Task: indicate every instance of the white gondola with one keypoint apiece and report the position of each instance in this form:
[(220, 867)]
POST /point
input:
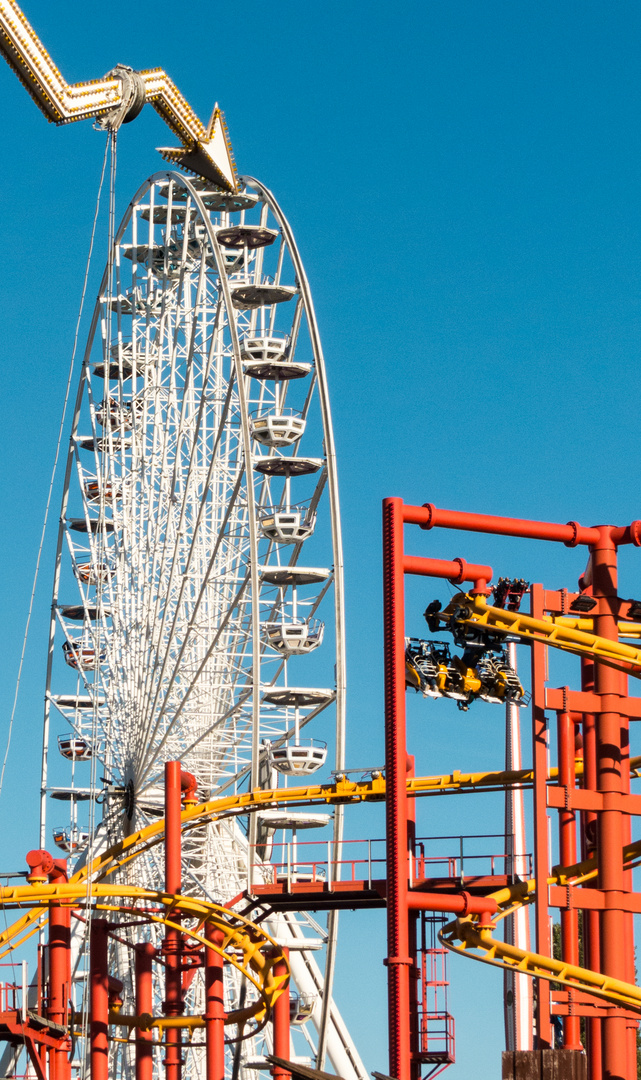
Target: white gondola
[(108, 444), (294, 638), (214, 200), (267, 357), (95, 491), (250, 296), (290, 525), (80, 656), (91, 574), (70, 839), (278, 429), (283, 818), (146, 352), (297, 697), (92, 525), (246, 236), (75, 748), (80, 612), (299, 759), (119, 414), (301, 1007), (267, 348)]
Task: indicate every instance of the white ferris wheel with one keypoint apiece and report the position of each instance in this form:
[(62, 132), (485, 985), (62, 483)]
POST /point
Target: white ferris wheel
[(198, 596)]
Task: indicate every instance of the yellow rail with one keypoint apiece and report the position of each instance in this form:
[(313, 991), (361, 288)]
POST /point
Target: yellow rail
[(475, 611), (253, 951), (490, 950), (85, 885), (626, 629)]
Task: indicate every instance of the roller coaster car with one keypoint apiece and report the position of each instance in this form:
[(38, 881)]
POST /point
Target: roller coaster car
[(500, 683), (426, 666), (430, 669), (509, 592)]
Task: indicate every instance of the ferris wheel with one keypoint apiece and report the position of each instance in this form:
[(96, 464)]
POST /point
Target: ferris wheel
[(198, 596)]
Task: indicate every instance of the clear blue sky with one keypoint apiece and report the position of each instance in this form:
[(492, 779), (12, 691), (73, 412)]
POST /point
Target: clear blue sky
[(463, 180)]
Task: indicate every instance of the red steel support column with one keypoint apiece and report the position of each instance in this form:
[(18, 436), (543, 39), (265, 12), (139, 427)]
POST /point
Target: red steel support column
[(145, 953), (541, 855), (412, 926), (591, 926), (567, 851), (280, 1022), (173, 1003), (99, 1000), (609, 724), (59, 978), (215, 1006), (398, 959)]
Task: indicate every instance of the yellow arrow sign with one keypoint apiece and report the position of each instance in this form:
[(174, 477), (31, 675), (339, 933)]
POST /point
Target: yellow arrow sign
[(117, 98)]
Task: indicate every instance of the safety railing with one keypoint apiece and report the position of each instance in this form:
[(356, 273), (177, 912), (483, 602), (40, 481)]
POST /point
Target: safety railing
[(456, 857), (14, 995), (436, 1038)]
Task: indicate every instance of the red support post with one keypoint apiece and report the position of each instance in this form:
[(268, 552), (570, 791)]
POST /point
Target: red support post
[(567, 851), (172, 945), (214, 1005), (99, 999), (610, 726), (145, 953), (413, 918), (280, 1021), (59, 978), (398, 959), (591, 928), (541, 853)]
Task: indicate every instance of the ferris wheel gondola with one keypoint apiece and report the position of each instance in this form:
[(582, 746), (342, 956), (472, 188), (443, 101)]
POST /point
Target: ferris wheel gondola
[(200, 545)]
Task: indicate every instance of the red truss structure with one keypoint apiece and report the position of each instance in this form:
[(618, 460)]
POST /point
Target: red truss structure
[(588, 791)]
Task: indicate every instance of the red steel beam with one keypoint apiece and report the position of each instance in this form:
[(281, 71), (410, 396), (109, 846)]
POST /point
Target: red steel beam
[(567, 851), (145, 953), (215, 1006), (398, 960), (455, 570), (280, 1021), (99, 1000), (429, 516), (173, 1003)]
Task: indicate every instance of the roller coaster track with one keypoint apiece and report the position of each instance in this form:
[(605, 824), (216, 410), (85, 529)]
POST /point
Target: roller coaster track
[(489, 950), (473, 610), (257, 965), (258, 950)]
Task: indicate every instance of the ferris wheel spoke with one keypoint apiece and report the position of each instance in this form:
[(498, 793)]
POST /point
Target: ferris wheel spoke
[(174, 558), (195, 680), (203, 588)]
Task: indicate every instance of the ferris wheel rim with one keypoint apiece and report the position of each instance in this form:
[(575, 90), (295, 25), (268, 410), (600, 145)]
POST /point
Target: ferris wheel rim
[(338, 694)]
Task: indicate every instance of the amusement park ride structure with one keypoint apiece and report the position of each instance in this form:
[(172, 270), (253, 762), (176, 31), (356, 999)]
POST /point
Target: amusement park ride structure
[(169, 944)]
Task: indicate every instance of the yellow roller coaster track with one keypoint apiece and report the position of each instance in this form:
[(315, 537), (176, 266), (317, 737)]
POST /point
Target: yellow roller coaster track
[(489, 950), (85, 887), (470, 610), (245, 939)]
